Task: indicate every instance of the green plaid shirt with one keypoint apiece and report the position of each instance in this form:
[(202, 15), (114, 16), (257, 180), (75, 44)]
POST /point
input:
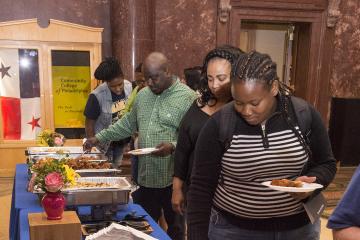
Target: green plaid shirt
[(157, 119)]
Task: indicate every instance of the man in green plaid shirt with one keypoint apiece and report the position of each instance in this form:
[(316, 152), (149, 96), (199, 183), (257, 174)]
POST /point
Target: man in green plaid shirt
[(156, 115)]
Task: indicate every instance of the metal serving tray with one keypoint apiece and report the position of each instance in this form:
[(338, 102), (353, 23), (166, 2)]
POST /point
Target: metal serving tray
[(99, 172), (34, 154), (34, 158), (56, 150), (98, 196)]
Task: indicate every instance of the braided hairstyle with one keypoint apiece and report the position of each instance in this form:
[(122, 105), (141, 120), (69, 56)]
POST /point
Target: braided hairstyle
[(257, 67), (227, 52), (108, 70)]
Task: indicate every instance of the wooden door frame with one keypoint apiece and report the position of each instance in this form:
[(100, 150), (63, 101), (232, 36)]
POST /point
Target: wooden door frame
[(315, 88)]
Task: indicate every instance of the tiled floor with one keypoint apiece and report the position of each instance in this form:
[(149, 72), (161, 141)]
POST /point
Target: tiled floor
[(325, 232)]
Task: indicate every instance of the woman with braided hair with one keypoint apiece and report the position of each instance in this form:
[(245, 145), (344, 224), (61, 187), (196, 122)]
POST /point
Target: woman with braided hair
[(214, 93), (226, 199), (105, 104)]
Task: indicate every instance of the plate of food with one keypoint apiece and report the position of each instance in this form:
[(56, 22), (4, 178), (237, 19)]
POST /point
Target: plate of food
[(286, 185), (142, 151)]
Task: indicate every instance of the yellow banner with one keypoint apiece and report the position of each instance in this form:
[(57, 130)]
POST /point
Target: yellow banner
[(71, 88)]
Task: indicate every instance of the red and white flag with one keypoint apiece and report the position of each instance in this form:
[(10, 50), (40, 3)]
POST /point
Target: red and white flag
[(20, 93)]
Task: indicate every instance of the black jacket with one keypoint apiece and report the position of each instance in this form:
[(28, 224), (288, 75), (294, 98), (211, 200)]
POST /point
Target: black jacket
[(208, 154)]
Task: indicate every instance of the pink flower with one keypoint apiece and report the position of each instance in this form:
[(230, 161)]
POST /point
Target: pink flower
[(58, 141), (54, 182)]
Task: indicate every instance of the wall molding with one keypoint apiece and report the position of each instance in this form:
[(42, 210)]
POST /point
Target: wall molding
[(57, 31)]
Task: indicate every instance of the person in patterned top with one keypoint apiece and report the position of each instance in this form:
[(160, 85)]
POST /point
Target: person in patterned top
[(156, 115), (105, 103)]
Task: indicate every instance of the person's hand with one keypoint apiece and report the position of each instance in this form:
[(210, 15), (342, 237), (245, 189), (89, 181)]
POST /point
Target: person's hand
[(163, 149), (301, 196), (89, 143), (177, 201)]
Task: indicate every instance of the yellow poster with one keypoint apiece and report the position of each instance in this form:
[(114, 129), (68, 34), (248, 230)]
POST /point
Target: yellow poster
[(71, 88)]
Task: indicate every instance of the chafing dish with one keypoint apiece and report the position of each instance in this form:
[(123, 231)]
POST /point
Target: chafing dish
[(116, 194), (35, 154), (111, 172)]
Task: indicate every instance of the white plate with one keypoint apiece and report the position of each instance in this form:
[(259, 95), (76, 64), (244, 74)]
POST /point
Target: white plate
[(307, 187), (142, 151)]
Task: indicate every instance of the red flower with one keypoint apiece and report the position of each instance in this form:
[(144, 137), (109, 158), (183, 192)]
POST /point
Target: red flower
[(54, 182)]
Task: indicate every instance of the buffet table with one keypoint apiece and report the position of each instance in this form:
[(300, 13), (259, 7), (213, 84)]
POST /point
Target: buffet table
[(24, 202)]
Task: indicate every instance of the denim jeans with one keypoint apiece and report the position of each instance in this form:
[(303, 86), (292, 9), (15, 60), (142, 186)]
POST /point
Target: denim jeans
[(115, 154), (221, 229)]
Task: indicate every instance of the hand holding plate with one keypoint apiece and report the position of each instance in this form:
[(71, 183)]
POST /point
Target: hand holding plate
[(303, 195), (163, 149)]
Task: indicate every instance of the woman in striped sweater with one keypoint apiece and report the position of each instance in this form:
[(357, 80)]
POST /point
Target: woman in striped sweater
[(226, 199)]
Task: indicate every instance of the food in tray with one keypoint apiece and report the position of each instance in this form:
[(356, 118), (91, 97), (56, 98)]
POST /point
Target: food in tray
[(286, 183), (87, 158), (62, 151), (58, 150), (74, 163), (51, 150), (99, 182), (41, 163), (91, 185), (78, 164)]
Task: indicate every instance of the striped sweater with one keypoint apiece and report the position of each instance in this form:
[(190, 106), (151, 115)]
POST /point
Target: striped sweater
[(231, 181), (247, 164)]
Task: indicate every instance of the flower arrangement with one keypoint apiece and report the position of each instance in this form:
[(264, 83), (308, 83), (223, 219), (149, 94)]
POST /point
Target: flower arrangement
[(52, 176), (53, 182), (49, 138)]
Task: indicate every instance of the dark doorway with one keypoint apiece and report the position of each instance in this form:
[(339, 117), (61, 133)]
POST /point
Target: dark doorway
[(344, 130)]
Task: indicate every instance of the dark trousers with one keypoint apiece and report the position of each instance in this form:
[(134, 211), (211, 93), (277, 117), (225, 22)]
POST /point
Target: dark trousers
[(155, 199)]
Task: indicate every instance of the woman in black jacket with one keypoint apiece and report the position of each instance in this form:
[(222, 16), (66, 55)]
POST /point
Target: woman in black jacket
[(214, 93), (226, 199)]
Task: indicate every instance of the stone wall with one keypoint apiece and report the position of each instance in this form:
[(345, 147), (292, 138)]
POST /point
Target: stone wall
[(345, 79), (185, 31)]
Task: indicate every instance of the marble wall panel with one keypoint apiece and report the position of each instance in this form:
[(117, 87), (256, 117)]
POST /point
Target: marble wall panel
[(345, 79), (133, 32), (185, 31)]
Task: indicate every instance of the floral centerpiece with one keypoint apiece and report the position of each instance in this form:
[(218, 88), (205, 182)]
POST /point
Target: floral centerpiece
[(51, 177), (45, 177), (49, 138)]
